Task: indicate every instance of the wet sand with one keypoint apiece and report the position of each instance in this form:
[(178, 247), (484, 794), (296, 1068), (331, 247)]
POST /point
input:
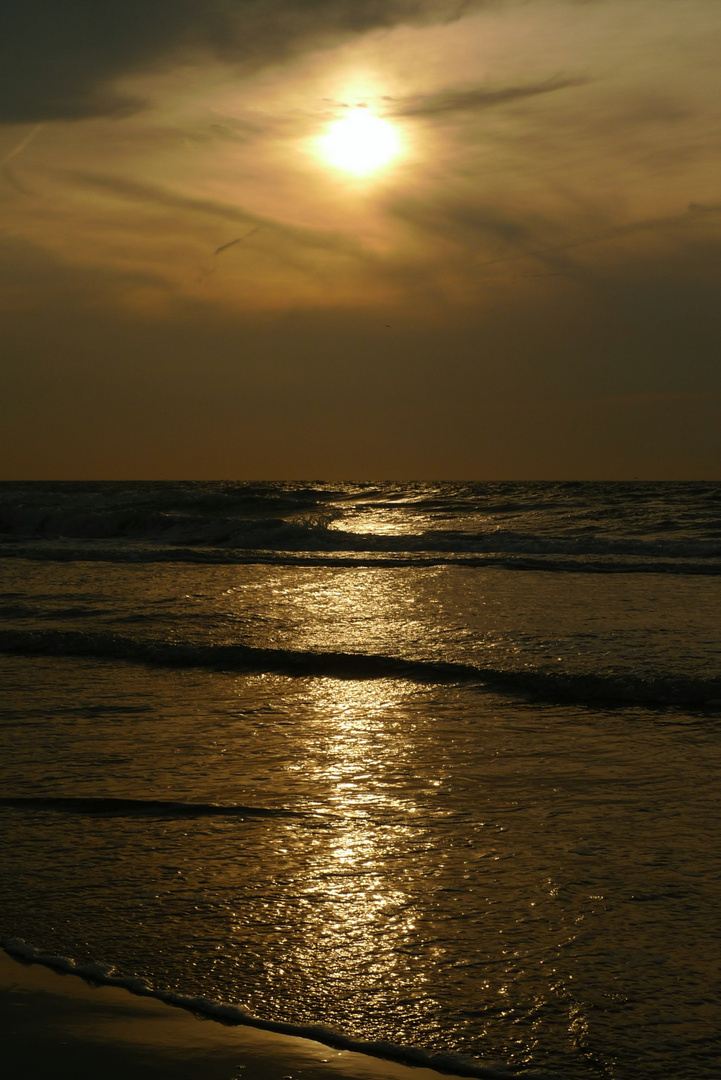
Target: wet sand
[(56, 1026)]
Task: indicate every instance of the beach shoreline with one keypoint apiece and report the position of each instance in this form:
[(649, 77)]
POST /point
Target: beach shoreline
[(60, 1025)]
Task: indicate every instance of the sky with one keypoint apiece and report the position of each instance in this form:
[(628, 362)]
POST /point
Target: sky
[(360, 239)]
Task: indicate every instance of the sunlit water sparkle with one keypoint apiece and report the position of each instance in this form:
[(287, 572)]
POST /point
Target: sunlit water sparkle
[(472, 867)]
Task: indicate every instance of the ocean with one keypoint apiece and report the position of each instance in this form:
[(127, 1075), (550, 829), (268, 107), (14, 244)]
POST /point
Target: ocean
[(425, 769)]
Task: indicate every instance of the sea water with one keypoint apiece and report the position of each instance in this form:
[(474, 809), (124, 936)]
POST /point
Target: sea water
[(430, 766)]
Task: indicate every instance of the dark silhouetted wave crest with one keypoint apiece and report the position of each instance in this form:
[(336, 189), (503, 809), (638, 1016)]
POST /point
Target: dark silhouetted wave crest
[(109, 807), (585, 687)]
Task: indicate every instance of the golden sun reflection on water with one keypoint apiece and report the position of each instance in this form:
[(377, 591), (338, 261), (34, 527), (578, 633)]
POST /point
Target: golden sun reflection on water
[(362, 742), (369, 890), (348, 908)]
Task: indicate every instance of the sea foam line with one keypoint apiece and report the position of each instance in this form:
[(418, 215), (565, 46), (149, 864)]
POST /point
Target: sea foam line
[(233, 1016)]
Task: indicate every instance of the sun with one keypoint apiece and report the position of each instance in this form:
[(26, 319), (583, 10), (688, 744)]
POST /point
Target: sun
[(360, 143)]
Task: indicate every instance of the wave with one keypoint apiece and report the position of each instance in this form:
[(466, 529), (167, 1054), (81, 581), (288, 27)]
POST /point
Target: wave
[(317, 536), (152, 524), (22, 525), (572, 563), (580, 687), (591, 527), (110, 807), (174, 497), (232, 1015)]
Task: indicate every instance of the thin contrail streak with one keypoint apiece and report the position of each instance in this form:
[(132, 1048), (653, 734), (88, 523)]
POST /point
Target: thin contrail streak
[(22, 144), (224, 247)]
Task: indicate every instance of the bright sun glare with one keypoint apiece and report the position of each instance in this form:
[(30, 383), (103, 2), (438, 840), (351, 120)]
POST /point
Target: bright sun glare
[(360, 143)]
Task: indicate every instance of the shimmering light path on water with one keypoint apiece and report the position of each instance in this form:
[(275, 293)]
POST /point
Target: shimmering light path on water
[(495, 874)]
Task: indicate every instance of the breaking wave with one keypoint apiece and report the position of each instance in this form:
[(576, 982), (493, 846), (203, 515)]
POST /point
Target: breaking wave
[(669, 528), (583, 687), (317, 535), (572, 563)]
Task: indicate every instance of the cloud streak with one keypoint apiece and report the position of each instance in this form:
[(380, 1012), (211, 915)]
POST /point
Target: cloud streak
[(19, 147), (615, 232), (188, 208), (471, 239), (477, 98)]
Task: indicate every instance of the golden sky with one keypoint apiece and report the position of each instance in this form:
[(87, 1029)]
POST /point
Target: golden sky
[(369, 239)]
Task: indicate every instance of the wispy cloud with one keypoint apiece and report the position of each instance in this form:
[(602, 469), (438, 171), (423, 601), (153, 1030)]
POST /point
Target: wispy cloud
[(189, 207), (615, 232), (522, 232), (476, 98)]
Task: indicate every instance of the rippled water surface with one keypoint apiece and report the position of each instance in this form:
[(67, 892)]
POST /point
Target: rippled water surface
[(221, 777)]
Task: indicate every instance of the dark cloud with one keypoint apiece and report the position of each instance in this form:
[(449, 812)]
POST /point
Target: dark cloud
[(477, 98), (60, 58)]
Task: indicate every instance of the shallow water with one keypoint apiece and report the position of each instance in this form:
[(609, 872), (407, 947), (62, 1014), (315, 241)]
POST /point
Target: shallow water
[(265, 782)]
